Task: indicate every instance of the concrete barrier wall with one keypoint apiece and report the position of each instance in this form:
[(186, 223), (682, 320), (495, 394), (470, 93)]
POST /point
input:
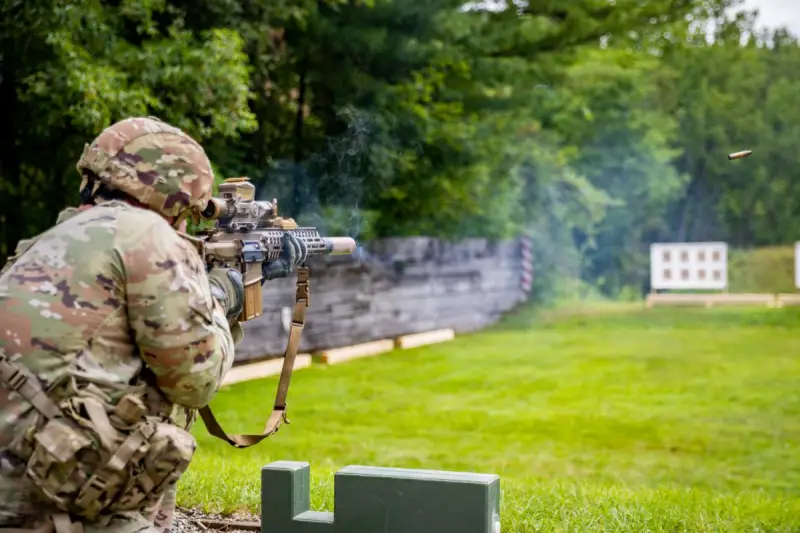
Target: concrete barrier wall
[(398, 286)]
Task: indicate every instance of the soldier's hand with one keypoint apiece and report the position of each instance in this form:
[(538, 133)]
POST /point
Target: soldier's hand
[(294, 253), (237, 333), (227, 287)]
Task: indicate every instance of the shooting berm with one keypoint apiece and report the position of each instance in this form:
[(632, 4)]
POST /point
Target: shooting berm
[(400, 267)]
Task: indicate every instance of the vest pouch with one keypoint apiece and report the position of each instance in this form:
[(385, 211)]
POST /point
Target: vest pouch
[(56, 465), (170, 451), (97, 459)]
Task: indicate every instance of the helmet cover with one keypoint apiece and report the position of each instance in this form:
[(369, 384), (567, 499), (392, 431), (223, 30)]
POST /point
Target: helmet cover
[(155, 163)]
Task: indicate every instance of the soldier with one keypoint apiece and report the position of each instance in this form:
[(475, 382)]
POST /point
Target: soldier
[(110, 327)]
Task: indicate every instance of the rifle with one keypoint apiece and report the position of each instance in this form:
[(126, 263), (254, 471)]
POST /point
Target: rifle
[(247, 233)]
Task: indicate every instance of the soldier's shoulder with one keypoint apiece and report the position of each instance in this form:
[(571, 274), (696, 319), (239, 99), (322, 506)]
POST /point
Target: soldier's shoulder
[(135, 216), (136, 225), (114, 213), (143, 233)]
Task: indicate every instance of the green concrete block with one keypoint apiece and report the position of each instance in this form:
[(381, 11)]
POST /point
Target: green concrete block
[(286, 499), (381, 500)]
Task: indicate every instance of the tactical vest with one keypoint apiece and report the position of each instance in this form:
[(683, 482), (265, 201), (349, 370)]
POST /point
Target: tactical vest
[(88, 455)]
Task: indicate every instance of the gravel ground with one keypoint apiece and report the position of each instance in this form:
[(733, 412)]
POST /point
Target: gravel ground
[(188, 521)]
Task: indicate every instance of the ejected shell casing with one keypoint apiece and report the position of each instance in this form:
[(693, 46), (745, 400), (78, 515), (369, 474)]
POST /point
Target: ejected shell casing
[(739, 155)]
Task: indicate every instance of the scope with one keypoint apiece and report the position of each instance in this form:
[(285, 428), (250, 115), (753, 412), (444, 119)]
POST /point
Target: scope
[(236, 207)]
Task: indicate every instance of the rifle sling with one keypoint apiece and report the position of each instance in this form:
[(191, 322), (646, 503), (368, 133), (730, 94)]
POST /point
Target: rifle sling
[(279, 410)]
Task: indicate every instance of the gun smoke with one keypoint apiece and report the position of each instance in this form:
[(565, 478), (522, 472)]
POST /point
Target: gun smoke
[(327, 188)]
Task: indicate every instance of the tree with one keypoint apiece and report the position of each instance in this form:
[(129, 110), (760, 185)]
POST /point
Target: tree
[(69, 69)]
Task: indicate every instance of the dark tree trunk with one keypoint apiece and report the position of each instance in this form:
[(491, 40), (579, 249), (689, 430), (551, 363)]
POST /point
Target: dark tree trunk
[(11, 219), (298, 178)]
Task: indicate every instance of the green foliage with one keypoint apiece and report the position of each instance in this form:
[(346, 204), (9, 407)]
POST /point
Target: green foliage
[(595, 127), (597, 419), (741, 92), (622, 143), (765, 270), (69, 69)]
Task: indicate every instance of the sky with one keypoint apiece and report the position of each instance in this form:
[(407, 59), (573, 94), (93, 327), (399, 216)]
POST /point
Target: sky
[(772, 13), (775, 13)]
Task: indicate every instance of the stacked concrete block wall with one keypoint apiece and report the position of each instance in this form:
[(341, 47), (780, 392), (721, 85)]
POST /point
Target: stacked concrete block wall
[(396, 287)]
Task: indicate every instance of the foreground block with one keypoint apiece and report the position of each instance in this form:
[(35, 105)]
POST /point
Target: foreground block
[(263, 369), (380, 500), (428, 337), (341, 355)]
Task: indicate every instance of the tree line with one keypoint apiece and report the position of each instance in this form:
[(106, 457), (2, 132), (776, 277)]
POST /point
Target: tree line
[(595, 127)]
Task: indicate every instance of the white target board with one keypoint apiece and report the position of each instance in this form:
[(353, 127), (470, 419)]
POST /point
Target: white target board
[(696, 265), (797, 265)]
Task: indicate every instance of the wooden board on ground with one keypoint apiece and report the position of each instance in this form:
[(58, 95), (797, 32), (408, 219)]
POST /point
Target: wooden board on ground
[(710, 300), (348, 353), (263, 369), (783, 300), (427, 337)]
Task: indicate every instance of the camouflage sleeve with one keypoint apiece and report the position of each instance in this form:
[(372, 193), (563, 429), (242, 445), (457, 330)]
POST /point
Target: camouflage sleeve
[(182, 332), (22, 246)]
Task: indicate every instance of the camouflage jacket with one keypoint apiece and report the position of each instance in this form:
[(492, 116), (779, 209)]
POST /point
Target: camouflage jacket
[(101, 296)]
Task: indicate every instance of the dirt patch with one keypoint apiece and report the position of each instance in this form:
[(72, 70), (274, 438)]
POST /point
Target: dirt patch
[(192, 521)]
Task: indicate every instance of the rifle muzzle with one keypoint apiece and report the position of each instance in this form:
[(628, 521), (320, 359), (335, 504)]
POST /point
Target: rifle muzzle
[(340, 245)]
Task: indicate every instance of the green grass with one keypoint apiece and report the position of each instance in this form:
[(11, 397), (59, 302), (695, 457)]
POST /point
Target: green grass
[(602, 419)]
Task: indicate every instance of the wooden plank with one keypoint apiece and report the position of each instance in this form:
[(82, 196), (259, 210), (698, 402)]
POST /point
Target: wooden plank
[(782, 300), (228, 525), (478, 302), (262, 369), (744, 299), (710, 300), (348, 353), (425, 338)]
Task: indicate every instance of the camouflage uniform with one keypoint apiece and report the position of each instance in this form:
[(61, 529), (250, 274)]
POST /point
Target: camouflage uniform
[(115, 297)]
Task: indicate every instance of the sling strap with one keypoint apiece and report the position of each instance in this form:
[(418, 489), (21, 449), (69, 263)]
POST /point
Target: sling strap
[(17, 379), (302, 300)]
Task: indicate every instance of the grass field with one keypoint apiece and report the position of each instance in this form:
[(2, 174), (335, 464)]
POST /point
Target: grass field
[(612, 419)]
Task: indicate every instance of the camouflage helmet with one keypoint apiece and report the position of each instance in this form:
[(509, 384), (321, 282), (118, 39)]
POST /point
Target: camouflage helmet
[(155, 163)]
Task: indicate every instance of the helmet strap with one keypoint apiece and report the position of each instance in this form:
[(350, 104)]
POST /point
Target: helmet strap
[(89, 189)]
